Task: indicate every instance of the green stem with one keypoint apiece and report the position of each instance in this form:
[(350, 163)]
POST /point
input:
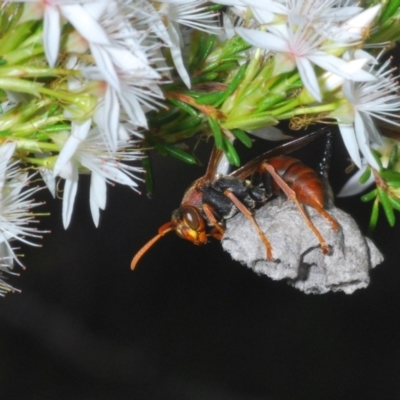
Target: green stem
[(33, 145), (34, 72), (47, 162), (280, 112), (34, 88), (36, 124)]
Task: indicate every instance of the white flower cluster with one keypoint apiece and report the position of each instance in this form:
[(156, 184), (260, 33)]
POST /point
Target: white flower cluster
[(117, 45), (15, 214), (328, 35), (123, 40), (119, 50)]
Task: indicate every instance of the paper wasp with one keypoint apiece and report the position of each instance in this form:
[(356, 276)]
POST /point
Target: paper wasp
[(213, 198)]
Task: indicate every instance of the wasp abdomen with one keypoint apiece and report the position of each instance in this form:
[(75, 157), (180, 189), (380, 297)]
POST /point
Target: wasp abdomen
[(302, 179)]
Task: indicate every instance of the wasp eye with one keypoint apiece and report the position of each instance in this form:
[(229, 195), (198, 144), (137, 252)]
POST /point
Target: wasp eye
[(190, 216)]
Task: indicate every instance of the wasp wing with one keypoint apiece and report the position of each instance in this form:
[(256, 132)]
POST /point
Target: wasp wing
[(246, 170), (387, 129), (213, 164)]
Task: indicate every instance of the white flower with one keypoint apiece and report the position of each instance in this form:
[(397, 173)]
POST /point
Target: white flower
[(367, 100), (15, 208), (356, 27), (299, 45), (85, 150), (192, 14), (133, 60), (353, 185), (75, 13)]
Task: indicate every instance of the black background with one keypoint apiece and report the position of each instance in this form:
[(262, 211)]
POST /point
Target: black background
[(189, 323)]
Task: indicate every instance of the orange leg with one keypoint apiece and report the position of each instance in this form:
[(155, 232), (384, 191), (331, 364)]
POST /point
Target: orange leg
[(291, 194), (334, 223), (243, 209), (218, 229)]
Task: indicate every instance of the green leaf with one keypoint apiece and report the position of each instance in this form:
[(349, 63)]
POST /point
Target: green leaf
[(233, 46), (365, 176), (395, 202), (393, 157), (179, 154), (374, 216), (187, 123), (216, 130), (14, 37), (219, 65), (377, 157), (226, 66), (233, 85), (214, 7), (390, 175), (387, 206), (53, 109), (206, 43), (231, 153), (211, 76), (184, 106), (369, 196), (390, 9), (209, 98), (242, 136), (393, 184), (270, 99), (250, 122), (162, 118)]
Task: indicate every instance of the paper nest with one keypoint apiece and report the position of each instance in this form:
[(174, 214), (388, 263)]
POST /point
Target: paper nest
[(298, 257)]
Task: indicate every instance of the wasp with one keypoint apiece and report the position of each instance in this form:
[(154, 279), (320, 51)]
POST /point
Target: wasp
[(214, 198)]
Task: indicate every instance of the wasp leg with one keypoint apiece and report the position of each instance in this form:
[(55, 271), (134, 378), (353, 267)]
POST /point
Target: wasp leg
[(327, 216), (242, 208), (219, 230), (215, 234), (291, 194)]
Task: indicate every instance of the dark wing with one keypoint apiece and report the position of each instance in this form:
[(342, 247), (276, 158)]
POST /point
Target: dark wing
[(246, 170), (388, 130), (215, 158)]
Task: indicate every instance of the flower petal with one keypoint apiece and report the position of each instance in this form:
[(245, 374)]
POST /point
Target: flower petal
[(353, 185), (109, 118), (309, 77), (98, 190), (350, 141), (84, 23), (338, 66), (105, 65), (263, 40), (79, 133), (176, 54), (51, 34), (6, 152), (70, 189), (359, 23), (49, 180), (363, 141)]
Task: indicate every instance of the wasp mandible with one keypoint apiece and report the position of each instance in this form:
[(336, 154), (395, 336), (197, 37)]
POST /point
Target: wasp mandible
[(214, 198)]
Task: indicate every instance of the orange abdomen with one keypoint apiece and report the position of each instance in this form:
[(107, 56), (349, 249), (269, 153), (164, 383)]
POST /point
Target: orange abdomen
[(302, 179)]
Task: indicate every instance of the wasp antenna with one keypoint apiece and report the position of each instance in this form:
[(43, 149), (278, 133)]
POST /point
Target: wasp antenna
[(168, 227)]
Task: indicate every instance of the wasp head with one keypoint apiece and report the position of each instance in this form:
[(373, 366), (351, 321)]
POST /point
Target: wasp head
[(189, 224)]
